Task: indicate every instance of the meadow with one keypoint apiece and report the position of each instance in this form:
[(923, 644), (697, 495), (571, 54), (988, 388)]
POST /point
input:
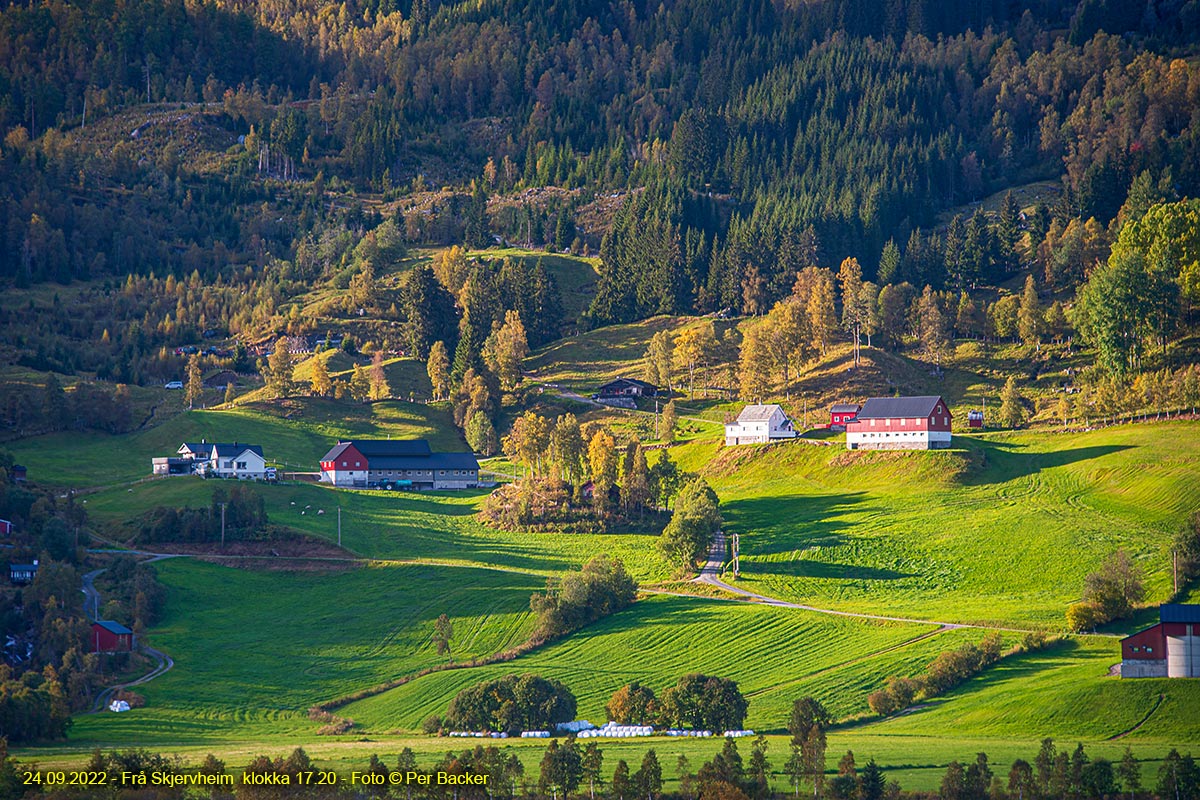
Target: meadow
[(998, 531)]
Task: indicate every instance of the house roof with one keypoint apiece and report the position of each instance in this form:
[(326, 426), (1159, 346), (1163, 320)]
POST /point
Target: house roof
[(382, 448), (844, 408), (431, 461), (759, 412), (236, 449), (22, 567), (633, 381), (893, 407), (1179, 612), (112, 627)]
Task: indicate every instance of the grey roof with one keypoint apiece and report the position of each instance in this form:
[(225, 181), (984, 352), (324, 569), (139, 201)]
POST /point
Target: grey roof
[(1179, 612), (23, 567), (112, 627), (634, 381), (758, 412), (433, 461), (204, 449), (237, 449), (843, 408), (403, 454), (382, 448), (893, 407)]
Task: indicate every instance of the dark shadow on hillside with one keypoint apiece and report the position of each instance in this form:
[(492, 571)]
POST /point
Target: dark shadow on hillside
[(1005, 462), (772, 525), (806, 568)]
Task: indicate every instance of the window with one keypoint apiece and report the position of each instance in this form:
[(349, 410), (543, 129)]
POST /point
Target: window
[(358, 463), (241, 465), (343, 463), (872, 423), (903, 421)]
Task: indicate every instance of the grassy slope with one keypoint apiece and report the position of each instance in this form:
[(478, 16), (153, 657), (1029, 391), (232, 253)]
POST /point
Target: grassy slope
[(296, 436), (772, 653), (869, 533), (1002, 531), (253, 656)]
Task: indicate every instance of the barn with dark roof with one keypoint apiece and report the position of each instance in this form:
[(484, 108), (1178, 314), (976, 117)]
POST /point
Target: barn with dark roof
[(397, 464), (900, 423)]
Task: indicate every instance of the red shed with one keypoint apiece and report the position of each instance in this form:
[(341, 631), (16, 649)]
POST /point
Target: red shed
[(111, 637), (6, 527), (841, 413)]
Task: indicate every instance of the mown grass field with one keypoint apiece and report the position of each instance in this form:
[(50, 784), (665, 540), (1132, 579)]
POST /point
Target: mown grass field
[(774, 654), (254, 650), (1001, 530)]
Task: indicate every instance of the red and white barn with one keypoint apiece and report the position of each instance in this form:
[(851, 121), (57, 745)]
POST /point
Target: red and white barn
[(397, 464), (900, 423), (111, 637), (1170, 649)]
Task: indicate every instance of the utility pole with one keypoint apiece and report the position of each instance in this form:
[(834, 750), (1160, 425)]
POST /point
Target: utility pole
[(656, 415), (1175, 571), (737, 551), (222, 526), (339, 526)]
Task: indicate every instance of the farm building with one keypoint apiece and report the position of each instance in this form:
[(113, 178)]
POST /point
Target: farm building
[(216, 459), (625, 387), (974, 419), (759, 424), (840, 414), (111, 637), (6, 527), (900, 423), (22, 573), (397, 464), (18, 473), (1170, 649)]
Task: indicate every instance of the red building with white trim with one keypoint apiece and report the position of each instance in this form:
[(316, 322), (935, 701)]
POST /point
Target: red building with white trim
[(900, 423)]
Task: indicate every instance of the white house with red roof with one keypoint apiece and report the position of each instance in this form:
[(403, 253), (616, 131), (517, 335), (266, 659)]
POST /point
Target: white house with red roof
[(900, 423)]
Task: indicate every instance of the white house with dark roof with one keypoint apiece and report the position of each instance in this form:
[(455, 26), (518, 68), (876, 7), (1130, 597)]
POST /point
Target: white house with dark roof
[(900, 423), (397, 464), (216, 459), (759, 424)]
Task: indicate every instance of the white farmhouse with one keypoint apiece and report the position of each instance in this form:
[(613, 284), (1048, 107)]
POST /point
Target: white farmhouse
[(759, 425), (243, 461)]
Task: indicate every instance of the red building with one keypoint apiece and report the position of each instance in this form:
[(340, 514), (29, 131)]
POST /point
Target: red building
[(1170, 649), (974, 419), (840, 414), (900, 423), (111, 637)]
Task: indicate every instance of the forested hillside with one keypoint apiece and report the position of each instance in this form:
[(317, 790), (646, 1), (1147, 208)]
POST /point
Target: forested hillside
[(234, 157)]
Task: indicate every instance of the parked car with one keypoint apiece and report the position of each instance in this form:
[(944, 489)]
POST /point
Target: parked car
[(173, 385)]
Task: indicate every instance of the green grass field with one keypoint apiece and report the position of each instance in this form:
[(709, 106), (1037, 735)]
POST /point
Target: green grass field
[(295, 436), (1000, 530)]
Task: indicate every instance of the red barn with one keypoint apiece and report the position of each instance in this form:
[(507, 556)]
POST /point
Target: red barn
[(1170, 649), (840, 414), (6, 527), (111, 637), (900, 423)]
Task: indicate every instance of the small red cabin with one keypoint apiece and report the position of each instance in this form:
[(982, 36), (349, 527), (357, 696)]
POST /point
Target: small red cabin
[(111, 637), (975, 419), (841, 413)]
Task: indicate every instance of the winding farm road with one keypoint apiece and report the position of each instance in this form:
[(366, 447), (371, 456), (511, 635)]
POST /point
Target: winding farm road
[(710, 574), (91, 607)]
